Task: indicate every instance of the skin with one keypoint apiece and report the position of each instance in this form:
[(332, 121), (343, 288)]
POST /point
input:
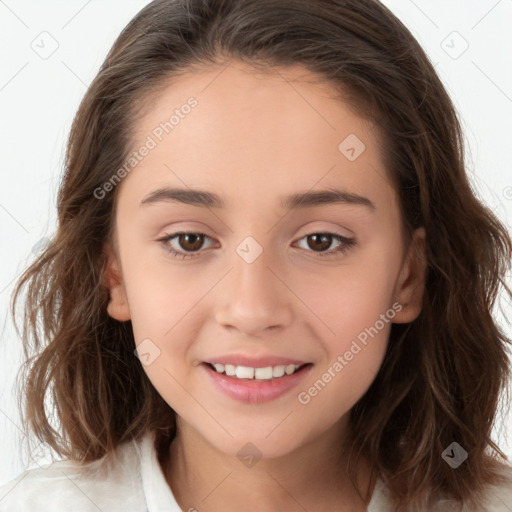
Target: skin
[(252, 139)]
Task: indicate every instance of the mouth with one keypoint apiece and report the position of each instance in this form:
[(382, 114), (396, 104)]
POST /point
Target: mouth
[(255, 385), (250, 373)]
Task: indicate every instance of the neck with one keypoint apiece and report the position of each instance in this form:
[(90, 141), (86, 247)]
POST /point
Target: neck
[(206, 479)]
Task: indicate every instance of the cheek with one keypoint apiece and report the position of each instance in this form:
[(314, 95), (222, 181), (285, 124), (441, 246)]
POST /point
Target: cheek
[(356, 306), (162, 311), (349, 298), (160, 291), (336, 387)]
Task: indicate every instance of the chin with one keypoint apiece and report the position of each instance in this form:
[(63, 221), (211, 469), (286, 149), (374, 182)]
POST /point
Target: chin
[(256, 447)]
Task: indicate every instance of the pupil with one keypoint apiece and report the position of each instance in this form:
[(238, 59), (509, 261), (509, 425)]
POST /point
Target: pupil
[(326, 240), (195, 246)]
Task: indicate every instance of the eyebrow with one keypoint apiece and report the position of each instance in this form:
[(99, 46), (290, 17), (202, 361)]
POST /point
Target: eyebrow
[(205, 199)]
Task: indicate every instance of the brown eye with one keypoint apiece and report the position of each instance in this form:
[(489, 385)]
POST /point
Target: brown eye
[(190, 241), (319, 241), (183, 244)]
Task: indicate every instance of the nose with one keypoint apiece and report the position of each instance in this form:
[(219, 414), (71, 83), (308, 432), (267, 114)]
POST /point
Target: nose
[(254, 297)]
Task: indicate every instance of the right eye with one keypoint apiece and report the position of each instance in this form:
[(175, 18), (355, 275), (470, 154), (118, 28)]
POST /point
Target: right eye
[(190, 241), (324, 239)]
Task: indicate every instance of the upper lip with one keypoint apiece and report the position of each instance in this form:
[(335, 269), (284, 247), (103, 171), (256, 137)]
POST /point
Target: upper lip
[(254, 362)]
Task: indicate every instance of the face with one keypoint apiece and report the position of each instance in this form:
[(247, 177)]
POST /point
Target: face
[(266, 279)]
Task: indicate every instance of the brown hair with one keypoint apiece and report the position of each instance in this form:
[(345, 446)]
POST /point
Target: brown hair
[(442, 375)]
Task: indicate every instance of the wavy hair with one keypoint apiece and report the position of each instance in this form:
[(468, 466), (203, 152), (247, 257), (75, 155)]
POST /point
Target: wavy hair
[(442, 375)]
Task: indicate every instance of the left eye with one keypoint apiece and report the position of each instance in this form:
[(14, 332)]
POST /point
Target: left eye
[(324, 240), (191, 243)]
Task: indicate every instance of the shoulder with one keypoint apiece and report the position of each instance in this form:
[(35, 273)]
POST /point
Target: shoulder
[(495, 498), (498, 497), (110, 484)]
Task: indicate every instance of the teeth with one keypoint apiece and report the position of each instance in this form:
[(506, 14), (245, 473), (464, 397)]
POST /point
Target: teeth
[(263, 373), (290, 369), (278, 371), (246, 372)]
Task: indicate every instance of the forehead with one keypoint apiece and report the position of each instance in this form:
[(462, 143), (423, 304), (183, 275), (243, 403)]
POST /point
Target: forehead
[(255, 131)]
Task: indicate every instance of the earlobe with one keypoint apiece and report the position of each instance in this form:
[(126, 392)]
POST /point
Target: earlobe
[(118, 302), (411, 281)]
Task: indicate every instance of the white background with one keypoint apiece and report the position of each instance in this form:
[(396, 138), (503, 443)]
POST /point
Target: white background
[(38, 99)]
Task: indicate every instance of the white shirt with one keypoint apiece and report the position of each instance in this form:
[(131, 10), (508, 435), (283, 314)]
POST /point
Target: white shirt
[(132, 481)]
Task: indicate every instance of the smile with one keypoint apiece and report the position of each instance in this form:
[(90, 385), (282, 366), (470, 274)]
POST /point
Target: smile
[(247, 372), (253, 385)]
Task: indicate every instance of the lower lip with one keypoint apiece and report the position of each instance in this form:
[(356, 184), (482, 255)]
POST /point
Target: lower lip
[(255, 392)]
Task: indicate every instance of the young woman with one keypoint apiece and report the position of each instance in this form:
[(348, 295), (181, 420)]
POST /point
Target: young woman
[(271, 287)]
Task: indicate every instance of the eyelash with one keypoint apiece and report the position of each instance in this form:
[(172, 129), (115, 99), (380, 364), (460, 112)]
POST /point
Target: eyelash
[(347, 243)]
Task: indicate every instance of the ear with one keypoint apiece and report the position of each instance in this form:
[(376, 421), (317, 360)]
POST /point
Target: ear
[(410, 284), (118, 304)]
